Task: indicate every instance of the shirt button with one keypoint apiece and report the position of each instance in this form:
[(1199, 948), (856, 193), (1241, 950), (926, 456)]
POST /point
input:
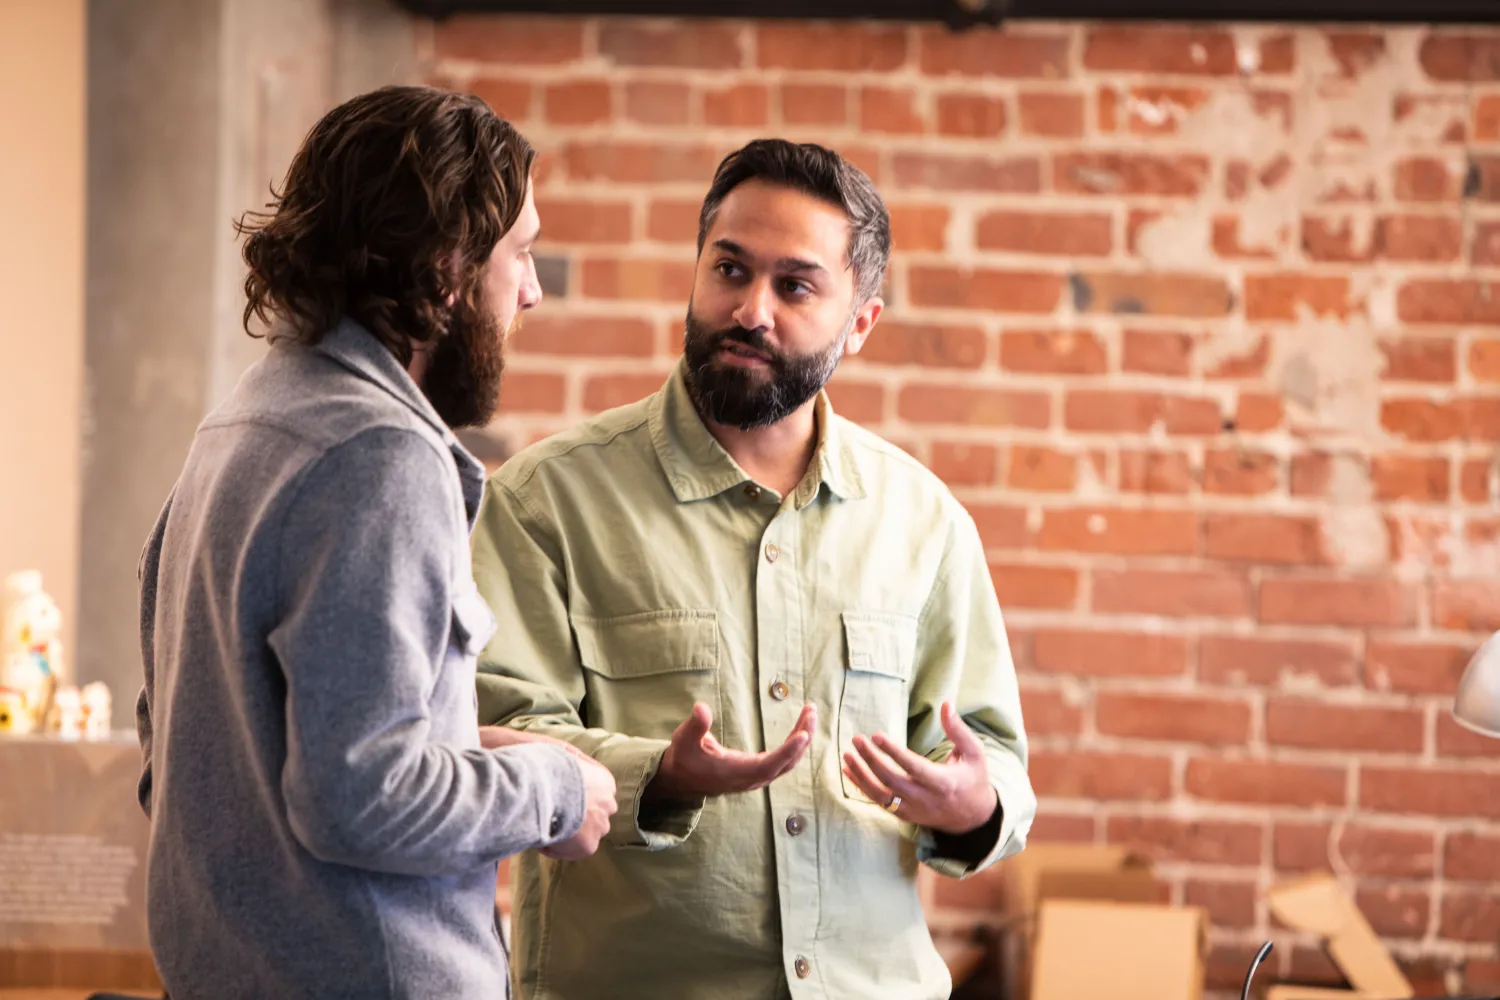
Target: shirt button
[(795, 824), (803, 967), (779, 690), (752, 491), (555, 827), (772, 552)]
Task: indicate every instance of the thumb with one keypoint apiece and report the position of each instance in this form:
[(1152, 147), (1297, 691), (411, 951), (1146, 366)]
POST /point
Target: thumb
[(965, 743), (696, 726)]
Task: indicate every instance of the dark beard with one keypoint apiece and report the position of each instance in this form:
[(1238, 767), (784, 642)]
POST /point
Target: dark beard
[(462, 381), (744, 397)]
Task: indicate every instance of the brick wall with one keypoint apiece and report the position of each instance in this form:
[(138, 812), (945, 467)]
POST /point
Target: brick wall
[(1204, 327)]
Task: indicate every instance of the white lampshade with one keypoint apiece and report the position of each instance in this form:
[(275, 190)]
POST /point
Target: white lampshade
[(1476, 706)]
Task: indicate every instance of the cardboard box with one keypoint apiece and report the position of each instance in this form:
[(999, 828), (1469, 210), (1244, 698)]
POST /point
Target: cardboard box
[(1317, 905), (1125, 951)]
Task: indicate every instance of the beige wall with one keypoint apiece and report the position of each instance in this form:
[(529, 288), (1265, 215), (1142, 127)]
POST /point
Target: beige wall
[(41, 290)]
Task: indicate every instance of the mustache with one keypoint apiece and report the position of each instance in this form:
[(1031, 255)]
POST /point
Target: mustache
[(753, 339)]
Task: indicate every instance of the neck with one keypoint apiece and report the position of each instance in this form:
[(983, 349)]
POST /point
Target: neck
[(776, 456), (417, 368)]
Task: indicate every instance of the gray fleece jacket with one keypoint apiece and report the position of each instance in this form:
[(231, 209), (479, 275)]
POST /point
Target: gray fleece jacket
[(324, 822)]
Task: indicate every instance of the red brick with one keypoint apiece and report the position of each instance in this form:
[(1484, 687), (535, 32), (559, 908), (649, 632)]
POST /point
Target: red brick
[(578, 102), (1267, 538), (1229, 244), (1422, 238), (927, 346), (1474, 481), (919, 227), (884, 109), (1420, 359), (1229, 904), (1270, 662), (1065, 233), (1461, 302), (1484, 359), (1471, 857), (1091, 653), (1311, 474), (1355, 51), (1000, 526), (638, 162), (1169, 105), (1189, 593), (578, 220), (1330, 601), (1119, 531), (678, 43), (862, 402), (1466, 605), (1422, 419), (1097, 776), (638, 278), (814, 103), (1160, 50), (1286, 296), (1258, 412), (1482, 975), (667, 222), (1051, 114), (1409, 477), (1340, 240), (1457, 741), (844, 47), (1416, 667), (1152, 293), (1108, 411), (658, 102), (1265, 783), (1320, 725), (1050, 713), (1240, 472), (1169, 472), (1429, 792), (510, 99), (975, 116), (1158, 353), (1370, 851), (1178, 718), (1250, 363), (1203, 841), (973, 406), (509, 41), (1487, 117), (1002, 53), (1225, 965), (1053, 828), (1032, 467), (1395, 911), (1026, 585), (1429, 179), (964, 464), (1278, 53), (586, 336), (1012, 175), (1121, 173), (984, 289), (604, 392), (1061, 352), (532, 392), (1471, 916), (744, 105), (1471, 58)]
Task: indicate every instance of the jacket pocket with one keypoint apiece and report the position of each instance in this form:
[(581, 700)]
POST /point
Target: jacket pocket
[(643, 672), (880, 651)]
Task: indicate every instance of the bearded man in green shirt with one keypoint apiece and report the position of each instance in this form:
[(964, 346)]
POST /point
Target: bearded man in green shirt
[(778, 632)]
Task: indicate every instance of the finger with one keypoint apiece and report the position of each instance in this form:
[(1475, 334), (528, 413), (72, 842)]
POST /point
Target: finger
[(695, 726), (858, 773), (890, 775), (965, 743), (777, 762), (807, 721), (923, 771)]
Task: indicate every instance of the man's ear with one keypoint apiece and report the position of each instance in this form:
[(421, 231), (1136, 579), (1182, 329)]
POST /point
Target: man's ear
[(864, 321)]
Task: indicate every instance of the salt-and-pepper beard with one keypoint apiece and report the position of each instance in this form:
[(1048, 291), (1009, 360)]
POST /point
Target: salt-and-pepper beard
[(744, 397), (462, 380)]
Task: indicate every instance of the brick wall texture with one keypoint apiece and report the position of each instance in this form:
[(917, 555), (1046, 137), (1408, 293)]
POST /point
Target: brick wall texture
[(1203, 325)]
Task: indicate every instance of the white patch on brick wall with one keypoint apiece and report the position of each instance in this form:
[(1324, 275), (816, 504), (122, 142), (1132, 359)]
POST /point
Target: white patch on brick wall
[(1177, 239), (1353, 529)]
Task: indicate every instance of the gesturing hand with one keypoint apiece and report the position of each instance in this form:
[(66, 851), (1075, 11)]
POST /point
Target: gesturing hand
[(696, 764), (953, 797)]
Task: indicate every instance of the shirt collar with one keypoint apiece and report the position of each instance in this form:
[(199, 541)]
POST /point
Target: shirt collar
[(698, 467), (354, 347)]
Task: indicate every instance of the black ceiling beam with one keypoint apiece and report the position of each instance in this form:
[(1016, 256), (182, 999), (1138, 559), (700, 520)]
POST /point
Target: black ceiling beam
[(966, 13)]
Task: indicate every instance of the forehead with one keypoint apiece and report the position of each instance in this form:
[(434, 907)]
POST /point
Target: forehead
[(775, 221)]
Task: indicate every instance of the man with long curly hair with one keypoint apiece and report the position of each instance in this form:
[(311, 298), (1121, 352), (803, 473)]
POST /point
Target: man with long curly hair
[(326, 816)]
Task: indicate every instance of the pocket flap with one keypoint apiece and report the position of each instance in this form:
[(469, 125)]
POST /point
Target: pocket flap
[(473, 624), (883, 644), (656, 642)]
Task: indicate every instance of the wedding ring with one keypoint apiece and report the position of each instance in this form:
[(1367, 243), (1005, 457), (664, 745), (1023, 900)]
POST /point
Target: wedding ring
[(894, 804)]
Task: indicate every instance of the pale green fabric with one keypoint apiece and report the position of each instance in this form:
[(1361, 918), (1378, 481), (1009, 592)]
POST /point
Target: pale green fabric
[(629, 564)]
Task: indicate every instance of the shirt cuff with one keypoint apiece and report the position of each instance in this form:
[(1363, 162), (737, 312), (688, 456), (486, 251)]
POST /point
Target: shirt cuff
[(655, 826), (961, 857)]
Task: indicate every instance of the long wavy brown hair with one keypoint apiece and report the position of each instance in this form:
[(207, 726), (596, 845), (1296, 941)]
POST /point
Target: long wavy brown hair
[(392, 204)]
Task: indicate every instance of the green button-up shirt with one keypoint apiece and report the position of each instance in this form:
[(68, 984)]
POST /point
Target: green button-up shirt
[(634, 569)]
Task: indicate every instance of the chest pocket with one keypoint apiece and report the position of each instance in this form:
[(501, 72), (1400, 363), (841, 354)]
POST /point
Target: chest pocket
[(880, 650), (643, 672)]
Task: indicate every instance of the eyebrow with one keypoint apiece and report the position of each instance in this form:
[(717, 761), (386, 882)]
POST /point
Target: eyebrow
[(794, 265)]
